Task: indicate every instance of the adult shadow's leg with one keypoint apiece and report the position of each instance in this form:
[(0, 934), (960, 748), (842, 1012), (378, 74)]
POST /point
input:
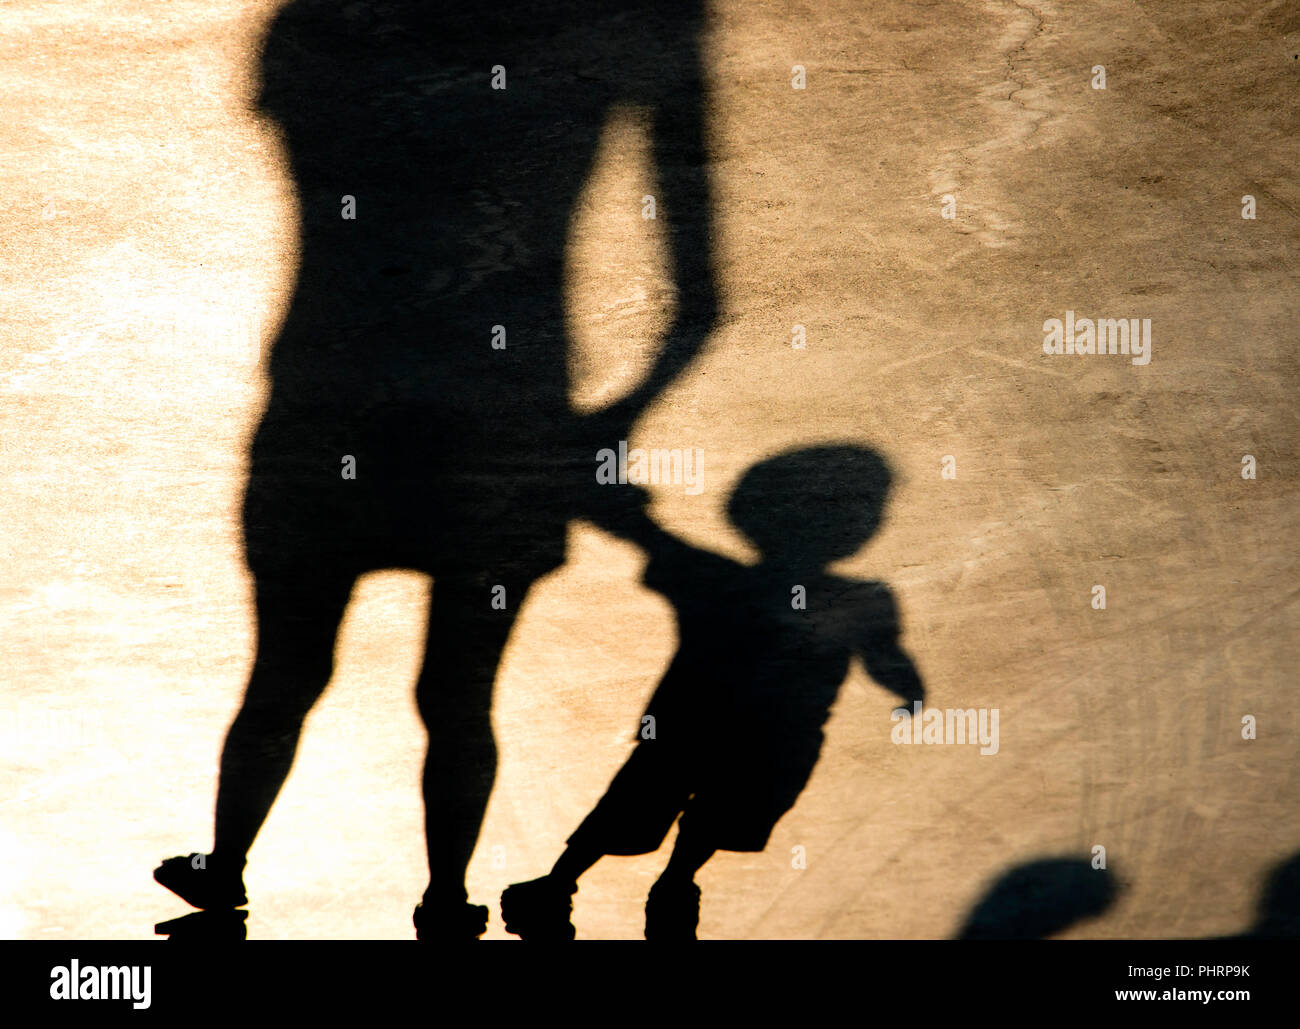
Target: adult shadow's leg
[(466, 637), (298, 616), (297, 620)]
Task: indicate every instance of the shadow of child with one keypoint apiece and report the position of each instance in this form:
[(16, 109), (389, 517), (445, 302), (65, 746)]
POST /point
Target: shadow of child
[(734, 729)]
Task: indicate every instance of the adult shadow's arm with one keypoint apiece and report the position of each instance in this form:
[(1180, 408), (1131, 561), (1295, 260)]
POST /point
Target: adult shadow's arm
[(684, 206)]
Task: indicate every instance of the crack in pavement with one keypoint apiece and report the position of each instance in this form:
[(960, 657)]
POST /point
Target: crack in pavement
[(996, 230)]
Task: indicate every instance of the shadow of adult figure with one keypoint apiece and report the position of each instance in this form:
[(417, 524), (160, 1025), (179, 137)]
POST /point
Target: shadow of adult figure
[(1278, 914), (734, 729), (418, 413), (1040, 898)]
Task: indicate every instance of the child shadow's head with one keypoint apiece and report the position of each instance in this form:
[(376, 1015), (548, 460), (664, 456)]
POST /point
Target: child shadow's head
[(811, 507)]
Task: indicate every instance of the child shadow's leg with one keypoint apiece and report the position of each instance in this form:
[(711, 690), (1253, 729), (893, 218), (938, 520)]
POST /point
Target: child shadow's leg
[(690, 854), (297, 620), (542, 909), (633, 817), (465, 640), (672, 911)]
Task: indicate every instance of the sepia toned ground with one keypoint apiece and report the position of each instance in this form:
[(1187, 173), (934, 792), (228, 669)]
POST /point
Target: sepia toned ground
[(147, 247)]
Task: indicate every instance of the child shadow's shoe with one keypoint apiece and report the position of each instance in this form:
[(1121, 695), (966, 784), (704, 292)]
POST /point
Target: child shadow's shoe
[(540, 910), (453, 922), (672, 911), (203, 881)]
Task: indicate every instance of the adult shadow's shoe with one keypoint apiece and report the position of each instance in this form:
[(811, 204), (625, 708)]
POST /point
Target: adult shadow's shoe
[(206, 925), (453, 922), (203, 881)]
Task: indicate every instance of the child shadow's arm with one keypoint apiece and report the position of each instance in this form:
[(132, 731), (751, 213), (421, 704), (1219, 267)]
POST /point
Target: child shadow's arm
[(883, 655), (673, 566), (629, 520)]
